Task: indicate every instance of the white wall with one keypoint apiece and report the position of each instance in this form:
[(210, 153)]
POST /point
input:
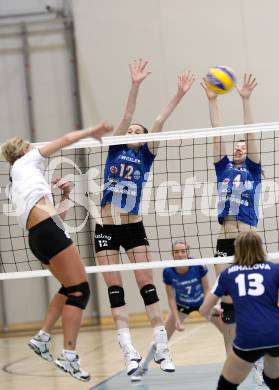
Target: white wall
[(174, 35), (49, 70)]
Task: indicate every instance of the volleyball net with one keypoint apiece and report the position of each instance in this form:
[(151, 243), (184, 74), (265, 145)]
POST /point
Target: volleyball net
[(179, 200)]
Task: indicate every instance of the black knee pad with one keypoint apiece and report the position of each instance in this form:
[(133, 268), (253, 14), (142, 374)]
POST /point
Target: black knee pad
[(223, 384), (116, 296), (62, 290), (273, 384), (228, 315), (78, 300), (149, 294)]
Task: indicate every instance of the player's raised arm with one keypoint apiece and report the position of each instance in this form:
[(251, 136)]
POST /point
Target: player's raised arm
[(184, 82), (245, 91), (138, 73), (96, 132), (219, 147)]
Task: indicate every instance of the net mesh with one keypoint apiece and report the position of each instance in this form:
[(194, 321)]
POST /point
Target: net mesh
[(178, 202)]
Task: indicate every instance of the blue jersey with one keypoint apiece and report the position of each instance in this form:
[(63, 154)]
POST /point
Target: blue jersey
[(188, 286), (126, 173), (238, 190), (254, 291)]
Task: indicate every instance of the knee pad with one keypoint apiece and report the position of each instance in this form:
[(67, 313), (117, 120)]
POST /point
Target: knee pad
[(273, 384), (116, 296), (223, 384), (62, 290), (78, 300), (149, 294), (228, 315)]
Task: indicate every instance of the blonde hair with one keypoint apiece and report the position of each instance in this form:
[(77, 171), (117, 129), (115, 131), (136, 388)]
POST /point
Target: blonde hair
[(13, 149), (249, 249)]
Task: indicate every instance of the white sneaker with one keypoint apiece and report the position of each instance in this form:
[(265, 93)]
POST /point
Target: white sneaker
[(41, 347), (131, 358), (72, 367), (138, 374), (162, 357), (258, 372)]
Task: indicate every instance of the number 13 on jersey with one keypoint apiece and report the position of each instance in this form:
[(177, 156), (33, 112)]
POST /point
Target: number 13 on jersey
[(251, 284)]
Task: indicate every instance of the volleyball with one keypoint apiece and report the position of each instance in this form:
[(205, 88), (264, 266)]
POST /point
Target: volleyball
[(220, 79)]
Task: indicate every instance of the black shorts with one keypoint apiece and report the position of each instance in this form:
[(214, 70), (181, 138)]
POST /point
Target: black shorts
[(225, 247), (48, 238), (256, 354), (128, 236), (187, 310)]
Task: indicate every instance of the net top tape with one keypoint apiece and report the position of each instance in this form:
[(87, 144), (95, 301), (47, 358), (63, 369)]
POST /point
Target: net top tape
[(174, 135), (133, 266)]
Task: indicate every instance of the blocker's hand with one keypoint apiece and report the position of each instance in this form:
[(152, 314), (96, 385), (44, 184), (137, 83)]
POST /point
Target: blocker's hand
[(138, 71), (249, 84), (209, 93), (184, 82)]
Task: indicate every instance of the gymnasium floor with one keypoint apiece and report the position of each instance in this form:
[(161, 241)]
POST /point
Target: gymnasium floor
[(198, 353)]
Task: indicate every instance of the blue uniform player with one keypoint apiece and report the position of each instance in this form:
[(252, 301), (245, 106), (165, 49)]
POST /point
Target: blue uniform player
[(126, 172), (238, 190), (253, 284), (186, 288), (238, 184)]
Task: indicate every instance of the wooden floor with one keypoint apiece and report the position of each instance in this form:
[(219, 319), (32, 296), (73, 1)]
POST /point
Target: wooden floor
[(200, 343)]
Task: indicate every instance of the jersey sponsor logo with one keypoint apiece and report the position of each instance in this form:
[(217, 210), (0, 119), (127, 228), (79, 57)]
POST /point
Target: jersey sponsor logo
[(226, 180), (234, 199), (130, 159), (113, 169), (249, 185), (137, 175), (194, 299), (236, 169), (112, 180), (221, 254), (104, 236), (121, 190)]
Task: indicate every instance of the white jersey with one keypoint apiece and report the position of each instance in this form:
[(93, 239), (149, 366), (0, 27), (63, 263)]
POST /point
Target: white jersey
[(28, 184)]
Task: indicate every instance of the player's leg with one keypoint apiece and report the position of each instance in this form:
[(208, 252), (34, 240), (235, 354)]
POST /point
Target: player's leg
[(119, 313), (234, 372), (271, 370), (170, 328), (54, 310), (149, 357), (68, 268), (149, 294), (225, 247), (170, 321), (65, 264), (40, 342)]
